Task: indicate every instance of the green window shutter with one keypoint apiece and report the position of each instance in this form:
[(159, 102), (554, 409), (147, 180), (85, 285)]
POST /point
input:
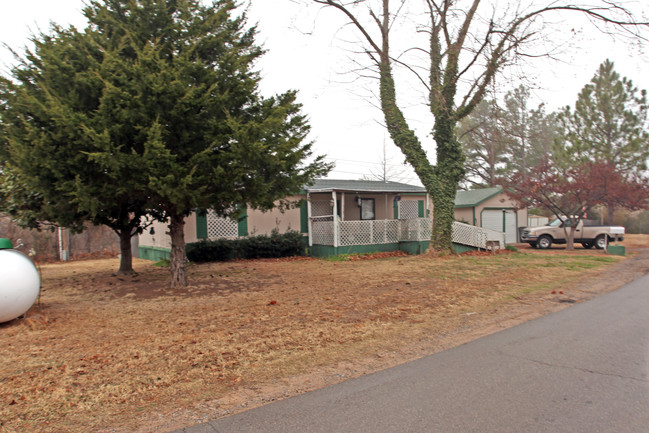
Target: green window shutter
[(243, 223), (304, 218), (421, 209), (396, 209), (201, 226)]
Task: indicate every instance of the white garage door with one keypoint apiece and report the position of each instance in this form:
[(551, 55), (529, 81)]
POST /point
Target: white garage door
[(499, 219)]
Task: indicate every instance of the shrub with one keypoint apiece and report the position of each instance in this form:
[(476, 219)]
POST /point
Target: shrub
[(253, 247), (210, 251)]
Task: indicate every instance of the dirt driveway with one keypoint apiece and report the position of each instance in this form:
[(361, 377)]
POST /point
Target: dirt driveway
[(113, 354)]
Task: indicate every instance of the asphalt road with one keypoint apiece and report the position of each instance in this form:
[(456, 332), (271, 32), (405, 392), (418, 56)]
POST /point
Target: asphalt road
[(583, 369)]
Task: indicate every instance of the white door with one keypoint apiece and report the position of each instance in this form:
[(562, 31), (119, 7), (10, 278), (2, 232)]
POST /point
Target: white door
[(501, 220)]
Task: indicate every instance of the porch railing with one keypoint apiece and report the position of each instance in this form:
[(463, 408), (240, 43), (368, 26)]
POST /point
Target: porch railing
[(369, 232), (416, 229), (392, 231)]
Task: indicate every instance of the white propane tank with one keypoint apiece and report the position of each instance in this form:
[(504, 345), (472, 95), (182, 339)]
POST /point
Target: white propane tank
[(20, 282)]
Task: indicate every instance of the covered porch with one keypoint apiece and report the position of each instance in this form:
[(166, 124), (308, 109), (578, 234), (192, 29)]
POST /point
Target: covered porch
[(352, 217), (346, 217)]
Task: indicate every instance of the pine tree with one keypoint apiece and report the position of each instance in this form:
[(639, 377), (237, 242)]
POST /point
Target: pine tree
[(531, 132), (608, 125), (484, 143), (500, 141)]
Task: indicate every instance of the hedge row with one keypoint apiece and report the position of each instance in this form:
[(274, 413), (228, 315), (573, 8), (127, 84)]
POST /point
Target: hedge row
[(253, 247)]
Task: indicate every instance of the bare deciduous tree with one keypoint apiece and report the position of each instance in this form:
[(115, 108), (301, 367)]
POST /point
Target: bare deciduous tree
[(386, 170)]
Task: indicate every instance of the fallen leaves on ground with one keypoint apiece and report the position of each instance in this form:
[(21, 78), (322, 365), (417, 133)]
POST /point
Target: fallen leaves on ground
[(104, 353)]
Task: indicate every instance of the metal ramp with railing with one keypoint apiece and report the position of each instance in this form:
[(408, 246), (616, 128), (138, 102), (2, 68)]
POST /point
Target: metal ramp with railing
[(477, 237)]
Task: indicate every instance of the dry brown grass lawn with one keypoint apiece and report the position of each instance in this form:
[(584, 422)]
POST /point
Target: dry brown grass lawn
[(122, 354)]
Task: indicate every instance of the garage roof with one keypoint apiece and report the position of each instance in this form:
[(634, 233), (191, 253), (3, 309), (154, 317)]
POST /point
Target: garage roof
[(474, 197)]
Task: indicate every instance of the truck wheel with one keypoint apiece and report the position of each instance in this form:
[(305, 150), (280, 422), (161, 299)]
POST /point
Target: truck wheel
[(544, 242), (600, 242), (587, 245)]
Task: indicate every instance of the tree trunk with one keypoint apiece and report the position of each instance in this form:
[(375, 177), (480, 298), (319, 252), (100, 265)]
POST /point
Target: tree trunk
[(177, 259), (126, 259), (441, 180), (570, 238), (610, 211), (448, 173), (443, 217), (406, 140)]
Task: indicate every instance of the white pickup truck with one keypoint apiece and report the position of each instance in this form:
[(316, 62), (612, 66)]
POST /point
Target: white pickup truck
[(588, 233)]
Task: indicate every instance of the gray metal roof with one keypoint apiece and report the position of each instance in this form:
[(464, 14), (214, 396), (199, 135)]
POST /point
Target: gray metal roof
[(470, 198), (325, 185)]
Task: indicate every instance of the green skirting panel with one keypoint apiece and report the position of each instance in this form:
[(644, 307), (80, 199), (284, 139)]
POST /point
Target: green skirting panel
[(617, 250), (414, 247), (459, 248), (153, 253), (322, 251), (159, 253), (328, 251)]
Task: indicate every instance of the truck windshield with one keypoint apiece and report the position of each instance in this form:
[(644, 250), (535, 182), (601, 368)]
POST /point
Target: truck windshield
[(557, 222)]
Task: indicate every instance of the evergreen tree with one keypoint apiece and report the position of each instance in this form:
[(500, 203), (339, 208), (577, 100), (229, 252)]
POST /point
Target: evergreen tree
[(157, 102), (54, 120), (608, 124), (485, 144), (531, 131), (500, 141)]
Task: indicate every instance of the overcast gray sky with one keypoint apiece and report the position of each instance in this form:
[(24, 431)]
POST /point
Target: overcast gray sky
[(305, 52)]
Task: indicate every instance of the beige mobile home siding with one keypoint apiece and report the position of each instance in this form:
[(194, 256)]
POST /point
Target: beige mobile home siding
[(353, 211), (465, 215), (161, 239), (263, 223)]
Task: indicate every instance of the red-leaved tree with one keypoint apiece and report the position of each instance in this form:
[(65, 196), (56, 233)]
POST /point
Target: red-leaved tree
[(569, 193)]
